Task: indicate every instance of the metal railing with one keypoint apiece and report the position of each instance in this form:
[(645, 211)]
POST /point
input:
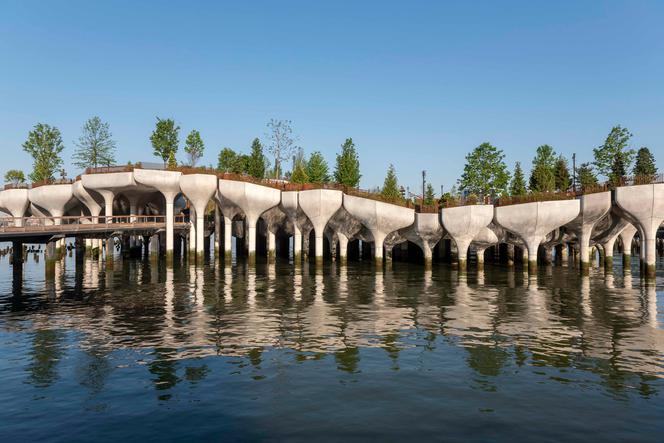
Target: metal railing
[(84, 223)]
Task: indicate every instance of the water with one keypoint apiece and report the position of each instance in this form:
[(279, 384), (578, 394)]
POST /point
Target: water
[(141, 352)]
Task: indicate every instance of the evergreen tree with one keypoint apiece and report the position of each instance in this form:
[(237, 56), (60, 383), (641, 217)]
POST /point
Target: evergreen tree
[(645, 163), (485, 172), (562, 176), (391, 185), (613, 157), (164, 139), (542, 176), (194, 147), (44, 143), (256, 162), (347, 170), (586, 175), (429, 195), (172, 162), (299, 174), (95, 146), (15, 177), (518, 185), (317, 169)]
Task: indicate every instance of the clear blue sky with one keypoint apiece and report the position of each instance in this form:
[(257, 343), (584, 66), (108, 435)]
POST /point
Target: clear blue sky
[(416, 84)]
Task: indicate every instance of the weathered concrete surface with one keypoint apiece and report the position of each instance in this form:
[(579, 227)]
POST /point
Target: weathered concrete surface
[(484, 239), (199, 189), (290, 206), (626, 237), (425, 232), (52, 198), (253, 200), (533, 221), (319, 205), (89, 199), (346, 228), (108, 186), (380, 218), (615, 225), (463, 224), (16, 202), (645, 205), (592, 208)]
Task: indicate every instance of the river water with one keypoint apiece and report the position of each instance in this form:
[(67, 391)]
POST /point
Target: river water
[(142, 352)]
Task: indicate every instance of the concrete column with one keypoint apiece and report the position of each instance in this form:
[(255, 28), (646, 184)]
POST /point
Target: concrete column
[(110, 249), (462, 252), (251, 238), (584, 249), (428, 255), (271, 246), (608, 252), (108, 204), (379, 240), (192, 230), (169, 225), (217, 230), (319, 248), (228, 234), (510, 254), (480, 258), (626, 237), (200, 234), (17, 253), (343, 248), (297, 244)]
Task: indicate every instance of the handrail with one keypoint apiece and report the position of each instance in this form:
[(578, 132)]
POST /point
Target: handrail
[(45, 224)]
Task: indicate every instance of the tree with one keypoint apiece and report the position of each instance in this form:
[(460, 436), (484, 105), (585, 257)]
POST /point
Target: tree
[(586, 175), (282, 143), (429, 195), (317, 168), (226, 160), (44, 143), (542, 176), (613, 158), (95, 146), (256, 161), (391, 185), (347, 169), (561, 174), (518, 185), (172, 162), (165, 139), (645, 163), (194, 147), (15, 177), (485, 172), (299, 174)]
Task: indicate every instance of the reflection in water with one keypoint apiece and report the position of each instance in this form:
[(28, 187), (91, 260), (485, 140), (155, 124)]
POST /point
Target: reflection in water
[(493, 331)]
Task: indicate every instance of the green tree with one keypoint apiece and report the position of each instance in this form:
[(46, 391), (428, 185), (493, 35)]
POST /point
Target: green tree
[(613, 158), (347, 169), (485, 172), (172, 163), (561, 174), (44, 144), (227, 160), (299, 173), (256, 161), (542, 176), (15, 177), (95, 146), (586, 175), (165, 139), (518, 185), (429, 195), (317, 169), (645, 163), (194, 147), (391, 185)]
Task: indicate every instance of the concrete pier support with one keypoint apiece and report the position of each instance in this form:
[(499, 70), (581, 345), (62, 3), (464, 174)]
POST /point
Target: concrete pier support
[(17, 253), (271, 246), (626, 237), (343, 248), (217, 231), (228, 238), (199, 189), (463, 223), (16, 202), (592, 208), (319, 205)]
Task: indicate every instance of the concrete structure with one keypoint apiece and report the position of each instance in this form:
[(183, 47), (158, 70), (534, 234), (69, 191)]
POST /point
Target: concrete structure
[(626, 237), (592, 208), (484, 239), (531, 222), (52, 198), (199, 189), (425, 232), (463, 224), (319, 205), (16, 202), (108, 186), (290, 206), (90, 199)]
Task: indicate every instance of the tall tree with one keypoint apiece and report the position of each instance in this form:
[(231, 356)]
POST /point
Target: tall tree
[(429, 195), (15, 177), (645, 163), (518, 185), (44, 144), (347, 169), (561, 174), (194, 147), (282, 142), (485, 172), (299, 173), (613, 157), (95, 146), (226, 160), (391, 185), (256, 161), (542, 176), (317, 168), (586, 175), (165, 139)]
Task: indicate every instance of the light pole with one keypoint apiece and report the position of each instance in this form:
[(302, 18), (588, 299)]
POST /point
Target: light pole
[(424, 177)]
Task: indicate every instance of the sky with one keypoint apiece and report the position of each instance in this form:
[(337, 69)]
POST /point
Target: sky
[(416, 84)]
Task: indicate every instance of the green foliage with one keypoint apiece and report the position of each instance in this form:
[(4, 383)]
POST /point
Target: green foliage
[(586, 175), (518, 185), (256, 161), (542, 176), (391, 185), (194, 147), (95, 146), (164, 139), (612, 159), (561, 174), (429, 195), (317, 168), (299, 173), (172, 162), (232, 162), (485, 172), (14, 176), (645, 163), (347, 169), (44, 144)]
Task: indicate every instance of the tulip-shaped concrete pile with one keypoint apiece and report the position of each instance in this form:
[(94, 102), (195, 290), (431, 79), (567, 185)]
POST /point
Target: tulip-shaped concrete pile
[(16, 202), (88, 198), (52, 198), (593, 207), (108, 186), (425, 232), (320, 205), (463, 224), (199, 189), (290, 205)]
